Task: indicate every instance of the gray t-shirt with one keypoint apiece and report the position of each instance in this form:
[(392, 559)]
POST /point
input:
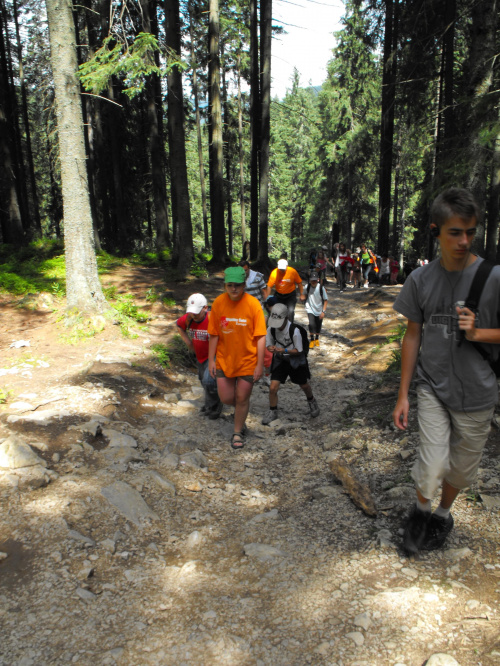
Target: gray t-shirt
[(449, 364)]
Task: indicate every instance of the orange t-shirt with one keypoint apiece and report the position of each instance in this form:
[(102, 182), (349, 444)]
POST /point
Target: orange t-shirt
[(237, 323), (284, 281)]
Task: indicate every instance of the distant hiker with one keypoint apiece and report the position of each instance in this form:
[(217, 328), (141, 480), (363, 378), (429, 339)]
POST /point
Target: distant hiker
[(356, 270), (255, 285), (313, 254), (368, 261), (236, 349), (394, 270), (316, 302), (285, 280), (285, 341), (343, 265), (385, 269), (193, 329), (321, 266)]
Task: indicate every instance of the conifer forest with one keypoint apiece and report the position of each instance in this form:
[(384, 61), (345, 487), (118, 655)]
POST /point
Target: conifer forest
[(149, 125)]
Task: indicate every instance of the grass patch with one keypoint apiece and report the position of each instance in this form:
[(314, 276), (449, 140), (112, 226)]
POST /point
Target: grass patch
[(5, 394), (38, 267), (396, 335), (175, 353)]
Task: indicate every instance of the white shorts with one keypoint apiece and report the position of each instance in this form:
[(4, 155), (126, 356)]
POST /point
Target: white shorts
[(451, 444)]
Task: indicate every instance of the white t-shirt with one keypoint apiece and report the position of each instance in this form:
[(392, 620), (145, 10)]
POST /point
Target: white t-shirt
[(314, 302)]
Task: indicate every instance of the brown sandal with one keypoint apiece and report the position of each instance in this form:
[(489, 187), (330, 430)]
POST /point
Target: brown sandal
[(237, 443)]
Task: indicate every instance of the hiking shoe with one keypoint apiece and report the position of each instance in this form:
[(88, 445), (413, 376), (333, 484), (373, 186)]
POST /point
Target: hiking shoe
[(312, 344), (316, 343), (270, 416), (215, 412), (415, 530), (313, 408), (437, 531)]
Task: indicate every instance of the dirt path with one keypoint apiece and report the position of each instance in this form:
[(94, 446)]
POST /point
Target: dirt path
[(140, 537)]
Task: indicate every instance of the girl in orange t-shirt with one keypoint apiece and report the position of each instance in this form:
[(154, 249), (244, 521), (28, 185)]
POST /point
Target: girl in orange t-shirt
[(236, 349)]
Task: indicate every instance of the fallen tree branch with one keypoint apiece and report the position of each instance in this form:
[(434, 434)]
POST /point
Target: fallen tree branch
[(359, 492)]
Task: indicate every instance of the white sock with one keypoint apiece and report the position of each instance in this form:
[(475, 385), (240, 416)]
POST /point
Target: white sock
[(442, 513), (424, 506)]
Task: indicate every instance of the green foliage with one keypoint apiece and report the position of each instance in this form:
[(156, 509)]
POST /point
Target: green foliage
[(199, 267), (160, 352), (175, 353), (132, 63), (126, 307), (158, 258), (37, 267), (5, 394), (396, 335)]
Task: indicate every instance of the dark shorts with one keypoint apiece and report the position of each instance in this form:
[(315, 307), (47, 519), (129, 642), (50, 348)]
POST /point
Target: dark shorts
[(284, 370), (245, 378)]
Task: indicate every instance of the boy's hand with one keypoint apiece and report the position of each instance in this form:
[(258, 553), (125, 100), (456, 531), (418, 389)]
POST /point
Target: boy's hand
[(467, 322), (400, 413)]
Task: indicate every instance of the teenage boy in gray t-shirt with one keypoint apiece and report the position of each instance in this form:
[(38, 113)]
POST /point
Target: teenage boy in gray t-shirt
[(456, 388)]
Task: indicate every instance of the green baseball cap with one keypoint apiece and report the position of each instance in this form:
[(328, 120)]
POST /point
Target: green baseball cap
[(235, 274)]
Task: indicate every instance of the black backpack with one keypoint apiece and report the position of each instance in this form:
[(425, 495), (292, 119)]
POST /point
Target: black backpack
[(472, 302), (303, 335)]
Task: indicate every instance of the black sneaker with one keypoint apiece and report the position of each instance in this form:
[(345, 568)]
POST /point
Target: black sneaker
[(216, 412), (438, 529), (415, 530)]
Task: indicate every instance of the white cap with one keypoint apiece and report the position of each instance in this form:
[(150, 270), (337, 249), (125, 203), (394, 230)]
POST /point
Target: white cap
[(282, 264), (196, 303)]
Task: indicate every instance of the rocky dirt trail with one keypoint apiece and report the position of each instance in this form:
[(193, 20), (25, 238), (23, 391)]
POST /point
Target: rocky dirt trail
[(131, 533)]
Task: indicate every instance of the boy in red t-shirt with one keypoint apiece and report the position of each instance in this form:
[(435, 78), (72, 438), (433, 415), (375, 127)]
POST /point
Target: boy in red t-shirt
[(192, 328)]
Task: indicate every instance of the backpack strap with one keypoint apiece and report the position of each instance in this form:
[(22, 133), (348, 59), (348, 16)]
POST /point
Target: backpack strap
[(472, 301), (477, 286)]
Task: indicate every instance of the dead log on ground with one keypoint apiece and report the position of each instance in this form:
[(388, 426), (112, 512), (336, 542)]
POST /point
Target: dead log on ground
[(359, 492)]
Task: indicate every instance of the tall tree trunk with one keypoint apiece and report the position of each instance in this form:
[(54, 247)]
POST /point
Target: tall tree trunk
[(241, 156), (87, 110), (226, 140), (83, 289), (387, 124), (11, 109), (265, 59), (194, 81), (24, 106), (255, 128), (216, 160), (156, 148), (10, 220), (181, 211), (493, 205), (481, 109)]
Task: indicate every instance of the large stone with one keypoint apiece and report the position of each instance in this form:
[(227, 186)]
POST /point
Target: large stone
[(194, 459), (262, 551), (129, 502), (15, 453), (441, 659), (166, 485), (118, 439), (44, 417)]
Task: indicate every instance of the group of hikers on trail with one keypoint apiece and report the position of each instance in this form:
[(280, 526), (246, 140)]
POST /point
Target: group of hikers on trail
[(361, 266), (452, 305), (233, 344)]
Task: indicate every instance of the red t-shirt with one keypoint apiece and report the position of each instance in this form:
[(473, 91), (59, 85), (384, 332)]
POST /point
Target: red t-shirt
[(198, 333)]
